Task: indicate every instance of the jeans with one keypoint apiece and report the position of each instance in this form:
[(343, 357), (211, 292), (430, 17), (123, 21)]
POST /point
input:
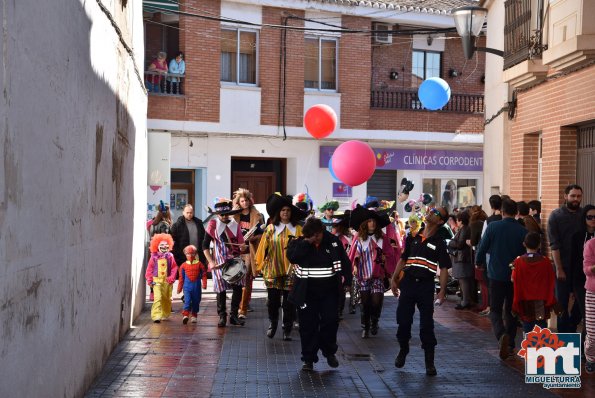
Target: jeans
[(501, 296)]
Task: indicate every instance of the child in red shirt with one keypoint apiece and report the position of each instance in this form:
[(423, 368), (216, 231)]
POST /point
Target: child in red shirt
[(534, 282), (191, 273)]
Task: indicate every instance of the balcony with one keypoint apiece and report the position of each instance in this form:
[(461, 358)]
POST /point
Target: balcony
[(523, 43), (407, 100), (164, 84)]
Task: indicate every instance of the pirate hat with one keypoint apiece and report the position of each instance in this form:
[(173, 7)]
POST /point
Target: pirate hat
[(276, 202), (224, 207), (360, 214)]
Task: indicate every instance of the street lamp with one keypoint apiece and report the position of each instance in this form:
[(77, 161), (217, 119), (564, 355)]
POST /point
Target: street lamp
[(469, 21)]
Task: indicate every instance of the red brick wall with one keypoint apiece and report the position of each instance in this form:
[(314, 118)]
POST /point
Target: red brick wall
[(360, 65), (552, 108), (355, 68), (270, 47), (387, 119)]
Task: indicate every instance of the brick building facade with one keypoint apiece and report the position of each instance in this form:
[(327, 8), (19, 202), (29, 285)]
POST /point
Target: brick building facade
[(363, 67)]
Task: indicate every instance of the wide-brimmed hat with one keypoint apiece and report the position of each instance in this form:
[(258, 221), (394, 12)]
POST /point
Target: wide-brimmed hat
[(360, 214), (224, 207), (330, 205), (276, 202), (342, 219)]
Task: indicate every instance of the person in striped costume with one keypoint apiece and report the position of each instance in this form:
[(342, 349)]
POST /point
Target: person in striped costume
[(272, 263), (419, 262), (373, 259), (227, 240)]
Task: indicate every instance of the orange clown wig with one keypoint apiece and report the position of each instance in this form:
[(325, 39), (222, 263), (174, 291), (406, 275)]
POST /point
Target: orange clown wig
[(158, 238)]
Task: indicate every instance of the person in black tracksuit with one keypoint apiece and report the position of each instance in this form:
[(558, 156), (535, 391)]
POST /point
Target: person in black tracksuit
[(321, 268), (419, 263)]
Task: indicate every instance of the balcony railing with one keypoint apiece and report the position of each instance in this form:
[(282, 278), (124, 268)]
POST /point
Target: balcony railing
[(158, 83), (519, 42), (408, 100)]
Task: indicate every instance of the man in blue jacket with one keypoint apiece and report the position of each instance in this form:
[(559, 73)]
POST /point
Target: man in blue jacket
[(503, 240)]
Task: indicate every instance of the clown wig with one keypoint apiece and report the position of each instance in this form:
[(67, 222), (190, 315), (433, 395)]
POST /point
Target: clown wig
[(158, 238)]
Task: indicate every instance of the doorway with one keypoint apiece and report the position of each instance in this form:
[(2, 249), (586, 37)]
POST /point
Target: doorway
[(586, 162), (261, 176), (181, 192)]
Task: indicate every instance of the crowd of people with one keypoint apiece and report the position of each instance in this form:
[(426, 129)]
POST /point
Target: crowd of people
[(499, 263)]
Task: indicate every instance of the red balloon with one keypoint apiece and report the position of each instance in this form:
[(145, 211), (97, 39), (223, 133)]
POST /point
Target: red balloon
[(354, 162), (320, 121)]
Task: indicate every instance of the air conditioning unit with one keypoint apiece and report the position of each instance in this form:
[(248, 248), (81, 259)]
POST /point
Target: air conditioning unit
[(379, 36)]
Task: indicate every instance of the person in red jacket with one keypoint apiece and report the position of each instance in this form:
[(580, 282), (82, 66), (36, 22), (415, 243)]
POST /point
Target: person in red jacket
[(534, 285), (191, 272)]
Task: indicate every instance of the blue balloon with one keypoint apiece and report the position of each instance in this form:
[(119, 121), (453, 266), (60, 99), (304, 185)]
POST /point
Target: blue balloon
[(330, 169), (434, 93)]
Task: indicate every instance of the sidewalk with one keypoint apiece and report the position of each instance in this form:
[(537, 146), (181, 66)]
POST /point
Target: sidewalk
[(200, 360)]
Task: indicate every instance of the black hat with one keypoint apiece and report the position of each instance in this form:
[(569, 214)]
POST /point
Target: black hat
[(342, 219), (224, 207), (276, 202), (361, 214)]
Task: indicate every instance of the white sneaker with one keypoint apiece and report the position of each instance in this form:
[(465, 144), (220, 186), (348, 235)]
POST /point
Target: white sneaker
[(242, 316), (193, 319), (185, 320)]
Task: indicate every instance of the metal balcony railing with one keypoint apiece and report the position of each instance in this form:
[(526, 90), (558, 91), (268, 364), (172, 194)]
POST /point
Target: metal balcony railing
[(408, 100), (522, 38), (158, 83)]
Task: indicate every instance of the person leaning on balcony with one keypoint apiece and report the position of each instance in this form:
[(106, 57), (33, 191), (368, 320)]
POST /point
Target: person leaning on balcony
[(157, 68), (176, 66)]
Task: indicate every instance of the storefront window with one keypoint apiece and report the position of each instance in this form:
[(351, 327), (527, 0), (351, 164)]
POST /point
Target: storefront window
[(451, 193)]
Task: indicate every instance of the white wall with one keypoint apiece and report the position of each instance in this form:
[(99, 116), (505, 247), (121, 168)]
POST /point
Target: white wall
[(302, 163), (72, 191), (496, 96)]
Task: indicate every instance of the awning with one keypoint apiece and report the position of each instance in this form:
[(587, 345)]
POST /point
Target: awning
[(161, 6)]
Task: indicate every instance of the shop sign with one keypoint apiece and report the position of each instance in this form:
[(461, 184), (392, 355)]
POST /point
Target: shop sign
[(418, 159)]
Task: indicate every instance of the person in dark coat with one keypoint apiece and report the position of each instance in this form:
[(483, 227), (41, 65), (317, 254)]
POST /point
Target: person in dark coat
[(187, 230), (321, 267), (463, 268)]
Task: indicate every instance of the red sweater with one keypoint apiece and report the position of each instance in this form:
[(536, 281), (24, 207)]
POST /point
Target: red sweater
[(534, 279)]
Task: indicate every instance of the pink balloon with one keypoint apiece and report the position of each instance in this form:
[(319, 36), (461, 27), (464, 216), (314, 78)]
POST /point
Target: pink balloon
[(354, 162)]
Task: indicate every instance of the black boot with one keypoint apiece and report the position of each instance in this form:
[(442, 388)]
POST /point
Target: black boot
[(287, 332), (400, 360), (374, 327), (234, 320), (430, 368), (272, 329), (221, 309)]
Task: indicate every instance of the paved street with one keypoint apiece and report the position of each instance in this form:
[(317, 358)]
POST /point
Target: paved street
[(200, 360)]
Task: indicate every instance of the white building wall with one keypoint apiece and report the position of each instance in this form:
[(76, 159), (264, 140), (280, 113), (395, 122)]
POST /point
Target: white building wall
[(496, 96), (73, 170), (302, 164)]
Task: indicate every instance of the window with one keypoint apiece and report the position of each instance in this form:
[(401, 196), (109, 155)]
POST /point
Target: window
[(424, 64), (320, 63), (239, 56), (451, 193)]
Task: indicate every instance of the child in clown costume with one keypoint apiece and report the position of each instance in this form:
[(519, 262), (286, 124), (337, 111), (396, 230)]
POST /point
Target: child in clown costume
[(191, 273), (161, 274)]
